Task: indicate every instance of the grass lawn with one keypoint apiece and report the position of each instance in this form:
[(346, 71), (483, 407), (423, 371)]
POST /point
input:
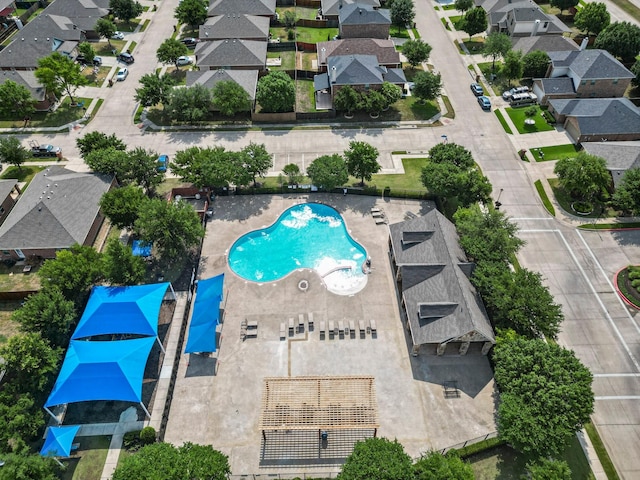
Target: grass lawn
[(8, 328), (445, 23), (409, 181), (601, 451), (457, 24), (565, 201), (518, 117), (103, 49), (307, 60), (127, 27), (25, 174), (545, 199), (305, 96), (555, 152), (410, 72), (301, 12), (410, 108), (179, 74), (315, 35), (88, 461), (451, 6), (96, 79), (475, 45), (451, 113), (12, 279), (64, 114), (288, 59), (145, 25), (398, 32), (503, 122)]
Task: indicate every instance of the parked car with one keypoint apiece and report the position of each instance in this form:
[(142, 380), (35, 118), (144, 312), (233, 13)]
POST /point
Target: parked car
[(190, 42), (117, 36), (477, 90), (97, 61), (519, 99), (163, 162), (184, 60), (125, 57), (484, 102), (46, 151), (122, 74), (513, 91)]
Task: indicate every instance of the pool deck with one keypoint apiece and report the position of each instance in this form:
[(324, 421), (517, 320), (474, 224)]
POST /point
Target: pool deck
[(217, 400)]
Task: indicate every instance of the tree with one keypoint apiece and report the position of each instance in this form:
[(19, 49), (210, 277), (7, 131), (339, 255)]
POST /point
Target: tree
[(87, 51), (474, 21), (204, 167), (191, 12), (513, 65), (416, 52), (173, 227), (125, 10), (49, 314), (620, 39), (549, 469), (121, 266), (170, 50), (635, 69), (292, 171), (487, 236), (289, 19), (276, 92), (377, 459), (427, 86), (448, 181), (190, 104), (98, 141), (347, 99), (121, 205), (463, 5), (584, 176), (29, 362), (106, 29), (362, 160), (536, 64), (109, 161), (592, 18), (230, 98), (451, 153), (141, 167), (15, 100), (627, 194), (563, 4), (27, 467), (435, 466), (546, 395), (257, 161), (59, 74), (155, 89), (73, 272), (496, 45), (402, 12), (474, 188), (22, 420), (328, 171), (374, 102), (391, 93), (12, 151)]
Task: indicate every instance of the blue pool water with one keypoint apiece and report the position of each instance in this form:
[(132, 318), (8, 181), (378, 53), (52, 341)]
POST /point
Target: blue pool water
[(310, 235)]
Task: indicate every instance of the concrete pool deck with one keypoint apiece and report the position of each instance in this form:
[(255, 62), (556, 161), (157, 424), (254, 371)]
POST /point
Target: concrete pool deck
[(223, 409)]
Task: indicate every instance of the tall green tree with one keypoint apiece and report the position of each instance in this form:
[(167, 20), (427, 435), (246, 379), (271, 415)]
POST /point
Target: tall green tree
[(105, 28), (536, 64), (496, 45), (125, 10), (592, 18), (620, 39), (391, 93), (416, 51), (155, 89), (190, 104), (584, 176), (289, 19), (87, 51), (276, 92), (435, 466), (451, 153), (142, 169), (28, 467), (546, 395), (59, 74), (347, 100), (564, 4), (16, 100), (12, 151), (292, 171), (204, 167), (463, 5), (170, 50), (257, 160), (121, 266), (427, 85), (328, 171), (230, 98), (549, 469), (121, 205), (98, 141), (110, 161), (402, 12), (474, 21), (22, 420), (174, 228), (449, 181), (377, 459), (192, 12), (627, 194), (362, 160), (513, 67), (374, 102)]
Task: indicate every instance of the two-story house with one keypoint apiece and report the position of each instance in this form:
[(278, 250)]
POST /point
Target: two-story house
[(363, 21), (330, 9), (235, 25), (521, 18)]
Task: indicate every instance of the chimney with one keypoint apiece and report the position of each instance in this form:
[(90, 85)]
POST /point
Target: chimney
[(536, 26), (333, 74), (585, 42)]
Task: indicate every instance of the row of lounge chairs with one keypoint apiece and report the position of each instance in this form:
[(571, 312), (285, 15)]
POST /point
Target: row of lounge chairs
[(344, 328), (294, 326), (379, 216)]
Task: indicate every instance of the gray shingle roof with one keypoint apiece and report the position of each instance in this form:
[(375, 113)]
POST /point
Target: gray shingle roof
[(384, 50), (359, 14), (620, 156), (360, 70), (6, 187), (232, 53), (441, 303), (591, 64), (529, 14), (235, 26), (247, 79), (321, 82), (26, 78), (332, 7), (545, 43), (556, 86), (600, 116), (248, 7), (56, 210), (83, 13)]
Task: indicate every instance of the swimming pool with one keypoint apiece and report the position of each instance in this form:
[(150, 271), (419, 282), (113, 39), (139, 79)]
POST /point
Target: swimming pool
[(309, 235)]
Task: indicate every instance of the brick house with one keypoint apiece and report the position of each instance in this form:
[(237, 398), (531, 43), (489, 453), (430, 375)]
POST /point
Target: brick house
[(363, 21)]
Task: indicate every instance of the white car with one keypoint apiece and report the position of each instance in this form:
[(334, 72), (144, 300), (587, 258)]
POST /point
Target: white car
[(122, 74), (184, 60), (117, 36)]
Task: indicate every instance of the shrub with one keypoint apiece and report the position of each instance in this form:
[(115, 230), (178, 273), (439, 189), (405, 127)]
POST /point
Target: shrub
[(531, 111), (148, 435), (635, 284), (291, 35), (131, 441)]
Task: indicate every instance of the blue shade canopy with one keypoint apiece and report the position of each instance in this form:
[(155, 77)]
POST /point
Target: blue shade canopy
[(120, 310), (102, 371), (59, 441), (141, 249), (205, 316)]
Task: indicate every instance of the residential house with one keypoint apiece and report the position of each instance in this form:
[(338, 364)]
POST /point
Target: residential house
[(232, 54), (363, 21), (521, 18), (620, 156), (597, 119), (9, 193), (59, 208), (544, 43), (247, 79), (331, 8), (583, 74), (263, 8), (83, 13), (28, 79), (384, 50), (439, 305), (235, 25)]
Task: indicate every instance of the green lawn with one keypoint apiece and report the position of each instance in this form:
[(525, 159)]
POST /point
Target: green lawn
[(565, 201), (103, 49), (305, 34), (518, 117), (398, 32), (288, 59), (301, 12), (409, 181), (145, 25), (88, 461), (555, 152), (305, 96), (24, 174), (8, 328), (545, 199), (127, 27), (475, 45), (503, 122), (457, 24), (64, 114), (12, 279)]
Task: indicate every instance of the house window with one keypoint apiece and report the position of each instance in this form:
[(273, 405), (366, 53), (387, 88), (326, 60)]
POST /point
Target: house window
[(366, 86), (6, 252), (615, 81), (592, 95), (583, 82), (593, 82)]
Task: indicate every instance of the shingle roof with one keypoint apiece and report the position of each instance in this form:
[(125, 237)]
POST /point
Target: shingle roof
[(544, 43), (26, 78), (83, 13), (360, 70), (56, 210), (591, 64), (359, 14), (235, 26), (332, 7), (6, 187), (620, 156), (247, 79), (232, 53), (556, 86), (440, 302), (529, 14), (384, 50), (600, 116), (247, 7)]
